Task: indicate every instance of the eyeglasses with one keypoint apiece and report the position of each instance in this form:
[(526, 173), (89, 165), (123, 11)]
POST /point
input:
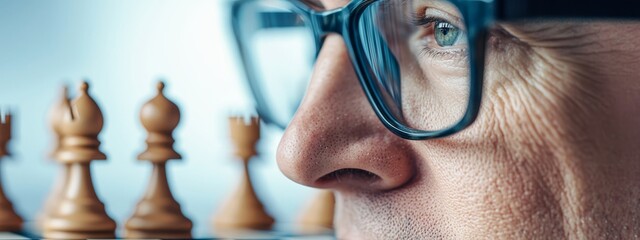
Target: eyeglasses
[(420, 62)]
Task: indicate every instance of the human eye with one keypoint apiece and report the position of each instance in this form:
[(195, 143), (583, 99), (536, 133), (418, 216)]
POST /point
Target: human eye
[(446, 34), (440, 35)]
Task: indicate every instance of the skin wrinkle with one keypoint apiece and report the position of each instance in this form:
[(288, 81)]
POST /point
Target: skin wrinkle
[(551, 35), (516, 157), (577, 104), (552, 155), (552, 94), (538, 130)]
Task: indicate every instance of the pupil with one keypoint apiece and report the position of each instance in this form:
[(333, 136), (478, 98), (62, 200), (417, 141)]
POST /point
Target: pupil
[(446, 34), (444, 31)]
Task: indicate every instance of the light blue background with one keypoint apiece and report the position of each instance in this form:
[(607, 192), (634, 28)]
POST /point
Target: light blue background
[(123, 47)]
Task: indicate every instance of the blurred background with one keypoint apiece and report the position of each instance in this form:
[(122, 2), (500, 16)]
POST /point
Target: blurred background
[(123, 47)]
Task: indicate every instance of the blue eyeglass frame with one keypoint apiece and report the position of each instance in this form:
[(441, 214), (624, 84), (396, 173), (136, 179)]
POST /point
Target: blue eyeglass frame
[(478, 15)]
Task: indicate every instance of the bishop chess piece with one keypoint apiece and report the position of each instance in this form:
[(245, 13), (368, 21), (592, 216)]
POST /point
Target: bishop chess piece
[(55, 118), (9, 219), (56, 114), (243, 210), (79, 213), (318, 216), (158, 214)]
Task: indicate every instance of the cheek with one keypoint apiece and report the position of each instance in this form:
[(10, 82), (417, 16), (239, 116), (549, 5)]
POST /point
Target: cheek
[(487, 185), (463, 191), (494, 167), (483, 190)]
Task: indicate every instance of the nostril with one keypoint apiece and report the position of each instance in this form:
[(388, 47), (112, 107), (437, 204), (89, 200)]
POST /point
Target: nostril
[(349, 177)]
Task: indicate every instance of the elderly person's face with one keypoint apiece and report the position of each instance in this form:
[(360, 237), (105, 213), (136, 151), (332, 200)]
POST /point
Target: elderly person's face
[(553, 154)]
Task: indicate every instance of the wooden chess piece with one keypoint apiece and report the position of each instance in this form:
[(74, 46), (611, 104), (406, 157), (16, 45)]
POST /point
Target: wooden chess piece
[(9, 219), (55, 118), (318, 216), (80, 213), (243, 210), (158, 214)]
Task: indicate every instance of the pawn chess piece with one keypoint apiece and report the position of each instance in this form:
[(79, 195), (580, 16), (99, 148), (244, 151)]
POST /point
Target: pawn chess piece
[(243, 210), (55, 118), (158, 214), (9, 219), (80, 213), (318, 216)]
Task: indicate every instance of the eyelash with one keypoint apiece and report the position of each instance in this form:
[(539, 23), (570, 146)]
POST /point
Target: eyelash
[(458, 55)]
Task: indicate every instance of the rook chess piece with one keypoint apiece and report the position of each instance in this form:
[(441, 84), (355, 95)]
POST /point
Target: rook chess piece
[(158, 214), (80, 213), (243, 210), (9, 219)]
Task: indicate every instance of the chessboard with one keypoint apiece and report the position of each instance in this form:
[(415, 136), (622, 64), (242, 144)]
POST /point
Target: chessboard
[(74, 210), (246, 235)]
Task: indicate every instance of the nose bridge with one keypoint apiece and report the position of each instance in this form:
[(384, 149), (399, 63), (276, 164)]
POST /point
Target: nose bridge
[(334, 140)]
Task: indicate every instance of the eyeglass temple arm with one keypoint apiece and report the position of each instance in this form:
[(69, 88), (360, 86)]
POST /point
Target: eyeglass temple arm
[(517, 9)]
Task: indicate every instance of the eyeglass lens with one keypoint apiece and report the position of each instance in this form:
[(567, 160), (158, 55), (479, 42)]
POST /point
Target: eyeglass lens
[(414, 52), (280, 48)]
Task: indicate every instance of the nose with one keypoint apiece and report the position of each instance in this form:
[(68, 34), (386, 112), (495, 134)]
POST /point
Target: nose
[(335, 140)]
